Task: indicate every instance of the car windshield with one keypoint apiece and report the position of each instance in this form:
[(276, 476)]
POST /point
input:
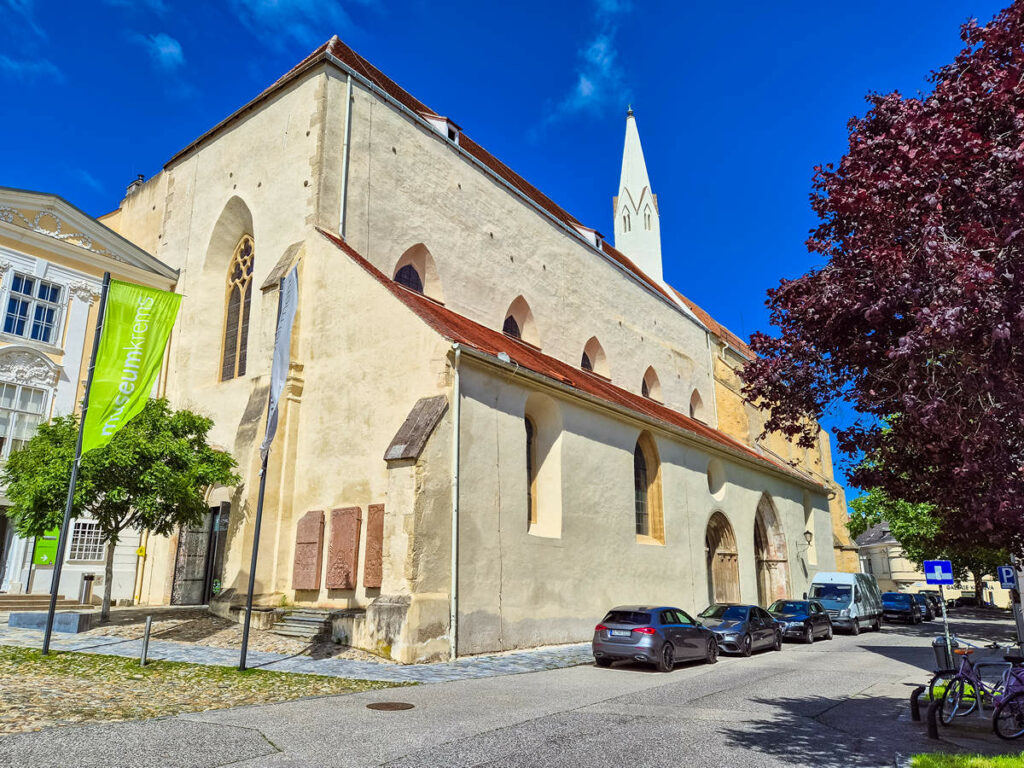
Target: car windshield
[(725, 613), (895, 598), (788, 606), (832, 595), (627, 617)]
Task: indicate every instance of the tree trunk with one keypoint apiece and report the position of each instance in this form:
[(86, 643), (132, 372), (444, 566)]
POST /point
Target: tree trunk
[(108, 578), (979, 585)]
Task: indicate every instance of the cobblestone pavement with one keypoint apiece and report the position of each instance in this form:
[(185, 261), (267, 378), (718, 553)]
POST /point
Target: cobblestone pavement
[(511, 663)]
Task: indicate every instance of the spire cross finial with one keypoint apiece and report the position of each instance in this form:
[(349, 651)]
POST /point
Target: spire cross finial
[(629, 110)]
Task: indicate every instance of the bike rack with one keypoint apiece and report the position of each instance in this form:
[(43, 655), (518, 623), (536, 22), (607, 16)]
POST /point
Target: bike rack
[(915, 705)]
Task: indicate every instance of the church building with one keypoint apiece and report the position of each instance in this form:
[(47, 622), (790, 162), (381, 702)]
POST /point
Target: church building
[(496, 423)]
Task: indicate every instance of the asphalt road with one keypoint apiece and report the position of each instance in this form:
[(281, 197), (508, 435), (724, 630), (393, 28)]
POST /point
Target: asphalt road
[(834, 703)]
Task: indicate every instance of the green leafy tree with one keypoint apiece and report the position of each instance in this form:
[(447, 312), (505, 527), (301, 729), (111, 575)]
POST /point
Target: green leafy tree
[(919, 532), (152, 475)]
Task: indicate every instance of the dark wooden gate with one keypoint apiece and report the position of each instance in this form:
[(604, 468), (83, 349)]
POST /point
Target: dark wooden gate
[(199, 563)]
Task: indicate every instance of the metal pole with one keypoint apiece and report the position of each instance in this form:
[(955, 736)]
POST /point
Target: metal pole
[(252, 566), (1018, 606), (62, 539), (145, 641), (945, 625)]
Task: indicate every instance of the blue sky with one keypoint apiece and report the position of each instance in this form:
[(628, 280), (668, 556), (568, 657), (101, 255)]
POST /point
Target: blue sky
[(735, 102)]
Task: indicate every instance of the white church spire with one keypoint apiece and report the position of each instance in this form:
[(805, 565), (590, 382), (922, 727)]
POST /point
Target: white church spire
[(637, 226)]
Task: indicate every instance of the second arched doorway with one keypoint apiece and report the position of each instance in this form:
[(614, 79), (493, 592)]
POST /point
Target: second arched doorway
[(722, 561), (770, 554)]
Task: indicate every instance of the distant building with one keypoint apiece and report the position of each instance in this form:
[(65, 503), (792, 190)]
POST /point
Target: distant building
[(469, 360), (882, 556), (52, 260)]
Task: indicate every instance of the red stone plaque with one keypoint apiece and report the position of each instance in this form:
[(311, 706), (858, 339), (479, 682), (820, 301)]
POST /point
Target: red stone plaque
[(309, 551), (343, 548), (374, 565)]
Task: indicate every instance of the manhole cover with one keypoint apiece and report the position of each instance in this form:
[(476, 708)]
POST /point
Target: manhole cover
[(389, 706)]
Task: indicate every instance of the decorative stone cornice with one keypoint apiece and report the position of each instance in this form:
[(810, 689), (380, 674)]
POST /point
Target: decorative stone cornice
[(20, 365), (49, 223), (83, 291)]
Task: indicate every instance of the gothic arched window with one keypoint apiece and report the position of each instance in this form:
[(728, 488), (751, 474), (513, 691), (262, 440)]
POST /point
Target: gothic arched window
[(531, 473), (625, 221), (511, 328), (239, 304), (585, 363), (650, 522), (647, 217), (410, 278)]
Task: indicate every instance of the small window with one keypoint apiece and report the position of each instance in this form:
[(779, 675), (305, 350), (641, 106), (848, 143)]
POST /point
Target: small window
[(625, 222), (86, 542), (511, 328), (644, 389), (647, 217), (33, 309), (410, 278), (697, 407), (651, 385), (585, 363)]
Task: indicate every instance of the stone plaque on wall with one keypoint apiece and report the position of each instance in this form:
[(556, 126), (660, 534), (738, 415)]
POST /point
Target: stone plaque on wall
[(309, 549), (343, 548), (374, 565)]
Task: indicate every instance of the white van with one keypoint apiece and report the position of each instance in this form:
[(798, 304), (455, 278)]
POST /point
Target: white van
[(853, 600)]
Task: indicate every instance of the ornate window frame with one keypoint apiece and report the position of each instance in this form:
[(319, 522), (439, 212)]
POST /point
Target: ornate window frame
[(234, 352)]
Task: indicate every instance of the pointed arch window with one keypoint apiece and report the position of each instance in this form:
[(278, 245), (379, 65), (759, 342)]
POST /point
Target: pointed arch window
[(647, 217), (531, 472), (511, 328), (625, 221), (649, 515), (239, 305), (585, 363), (410, 278)]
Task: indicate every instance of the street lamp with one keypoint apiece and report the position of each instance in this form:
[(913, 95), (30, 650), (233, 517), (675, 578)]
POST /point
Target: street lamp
[(808, 537)]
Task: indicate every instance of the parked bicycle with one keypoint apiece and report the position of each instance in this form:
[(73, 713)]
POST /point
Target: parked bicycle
[(967, 691), (1008, 716)]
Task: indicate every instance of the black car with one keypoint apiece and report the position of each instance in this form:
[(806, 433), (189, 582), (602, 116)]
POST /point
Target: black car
[(901, 606), (929, 610), (968, 601), (802, 619), (742, 628)]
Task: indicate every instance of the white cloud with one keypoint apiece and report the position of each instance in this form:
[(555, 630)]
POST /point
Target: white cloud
[(89, 180), (163, 49), (599, 80), (21, 10), (37, 69), (307, 22)]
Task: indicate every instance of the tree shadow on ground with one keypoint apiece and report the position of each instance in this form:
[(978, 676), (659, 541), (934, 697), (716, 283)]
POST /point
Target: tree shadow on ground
[(844, 733)]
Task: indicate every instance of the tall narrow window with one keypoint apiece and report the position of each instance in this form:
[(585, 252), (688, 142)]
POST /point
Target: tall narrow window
[(640, 484), (239, 303), (647, 218), (531, 473), (21, 411), (650, 519), (410, 278), (625, 221), (585, 363)]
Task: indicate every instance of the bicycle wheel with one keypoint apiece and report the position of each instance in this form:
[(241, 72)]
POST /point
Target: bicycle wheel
[(959, 700), (938, 683), (1008, 717)]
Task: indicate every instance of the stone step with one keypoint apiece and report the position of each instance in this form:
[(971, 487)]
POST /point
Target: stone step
[(294, 632), (37, 603)]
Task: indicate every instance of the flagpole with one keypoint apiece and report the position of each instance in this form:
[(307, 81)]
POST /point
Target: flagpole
[(62, 539), (259, 508)]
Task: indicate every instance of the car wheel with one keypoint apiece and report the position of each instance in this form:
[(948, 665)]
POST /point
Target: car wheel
[(808, 634), (603, 661), (828, 632), (746, 645), (711, 655), (856, 627), (777, 645), (667, 659), (877, 626)]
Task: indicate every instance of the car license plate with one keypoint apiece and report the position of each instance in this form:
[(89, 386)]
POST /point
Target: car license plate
[(619, 632)]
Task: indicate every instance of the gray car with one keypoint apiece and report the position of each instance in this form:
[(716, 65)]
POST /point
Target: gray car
[(742, 628), (659, 635)]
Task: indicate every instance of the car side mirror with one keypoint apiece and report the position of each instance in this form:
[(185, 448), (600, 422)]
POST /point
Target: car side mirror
[(805, 595)]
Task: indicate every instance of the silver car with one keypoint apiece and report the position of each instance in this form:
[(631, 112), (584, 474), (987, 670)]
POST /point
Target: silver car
[(659, 635), (742, 628)]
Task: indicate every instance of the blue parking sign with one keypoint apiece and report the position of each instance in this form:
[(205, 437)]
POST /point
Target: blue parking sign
[(1007, 577), (938, 572)]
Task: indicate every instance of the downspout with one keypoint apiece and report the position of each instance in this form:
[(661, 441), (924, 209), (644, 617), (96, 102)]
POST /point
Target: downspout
[(714, 389), (456, 427), (344, 156)]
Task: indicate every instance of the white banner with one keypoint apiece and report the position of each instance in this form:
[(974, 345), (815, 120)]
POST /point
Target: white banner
[(289, 303)]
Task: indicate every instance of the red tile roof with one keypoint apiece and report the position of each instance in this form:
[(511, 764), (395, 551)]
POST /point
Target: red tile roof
[(458, 328), (717, 329)]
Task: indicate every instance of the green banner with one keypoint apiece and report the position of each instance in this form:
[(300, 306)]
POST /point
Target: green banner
[(136, 325), (45, 551)]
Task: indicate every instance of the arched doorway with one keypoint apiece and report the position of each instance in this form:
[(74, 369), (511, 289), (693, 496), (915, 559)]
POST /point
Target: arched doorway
[(770, 554), (722, 561)]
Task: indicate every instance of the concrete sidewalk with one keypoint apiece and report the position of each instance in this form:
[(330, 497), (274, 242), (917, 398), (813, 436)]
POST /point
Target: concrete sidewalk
[(511, 663)]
